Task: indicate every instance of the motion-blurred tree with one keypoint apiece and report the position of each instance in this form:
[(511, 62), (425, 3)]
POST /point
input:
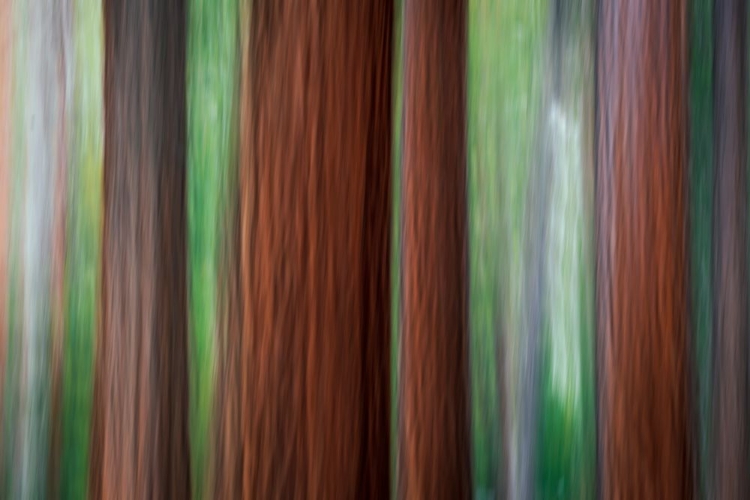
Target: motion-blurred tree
[(140, 435), (645, 433)]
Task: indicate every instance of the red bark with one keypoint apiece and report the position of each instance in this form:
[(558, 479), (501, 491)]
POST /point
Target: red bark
[(314, 222), (435, 449), (645, 433)]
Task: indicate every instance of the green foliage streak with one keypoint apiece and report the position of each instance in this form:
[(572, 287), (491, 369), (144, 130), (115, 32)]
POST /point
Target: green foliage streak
[(504, 89), (212, 69), (509, 99), (701, 213), (398, 75), (567, 440), (83, 250)]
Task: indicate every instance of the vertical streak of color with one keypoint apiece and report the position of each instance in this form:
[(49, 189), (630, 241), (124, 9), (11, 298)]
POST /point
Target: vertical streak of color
[(315, 186), (645, 429), (83, 250), (6, 33), (730, 403), (16, 156), (212, 90), (396, 237), (486, 246), (42, 139), (701, 209), (140, 439), (567, 441), (507, 50), (435, 439)]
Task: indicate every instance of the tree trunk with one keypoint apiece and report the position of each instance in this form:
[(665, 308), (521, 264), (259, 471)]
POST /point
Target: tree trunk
[(435, 447), (730, 246), (315, 213), (140, 437), (646, 448)]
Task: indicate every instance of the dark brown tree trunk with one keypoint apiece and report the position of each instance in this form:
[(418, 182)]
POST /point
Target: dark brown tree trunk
[(140, 438), (645, 432), (315, 214), (435, 446), (730, 246)]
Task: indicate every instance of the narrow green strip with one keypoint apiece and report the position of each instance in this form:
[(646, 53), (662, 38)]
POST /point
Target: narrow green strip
[(398, 75), (212, 69), (83, 249), (701, 215)]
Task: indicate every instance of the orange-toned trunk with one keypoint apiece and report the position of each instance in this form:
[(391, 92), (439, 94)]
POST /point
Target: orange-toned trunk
[(314, 222)]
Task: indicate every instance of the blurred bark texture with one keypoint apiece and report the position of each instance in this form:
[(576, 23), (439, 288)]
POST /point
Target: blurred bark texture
[(730, 435), (646, 448), (435, 441), (140, 436), (315, 181)]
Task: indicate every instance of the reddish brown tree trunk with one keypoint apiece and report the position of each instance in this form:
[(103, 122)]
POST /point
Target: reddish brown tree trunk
[(435, 449), (140, 440), (315, 212), (730, 246), (646, 450)]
